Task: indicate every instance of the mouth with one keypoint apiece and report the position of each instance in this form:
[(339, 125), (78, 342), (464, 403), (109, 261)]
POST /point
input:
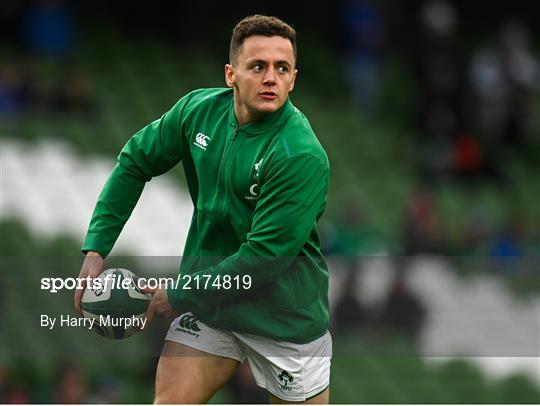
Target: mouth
[(268, 95)]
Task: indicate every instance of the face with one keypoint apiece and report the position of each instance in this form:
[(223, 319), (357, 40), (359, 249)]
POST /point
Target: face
[(262, 76)]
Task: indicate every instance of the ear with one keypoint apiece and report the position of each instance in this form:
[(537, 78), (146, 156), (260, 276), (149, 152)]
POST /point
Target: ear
[(229, 75), (293, 81)]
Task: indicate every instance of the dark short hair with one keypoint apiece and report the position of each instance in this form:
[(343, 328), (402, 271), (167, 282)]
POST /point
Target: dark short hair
[(260, 25)]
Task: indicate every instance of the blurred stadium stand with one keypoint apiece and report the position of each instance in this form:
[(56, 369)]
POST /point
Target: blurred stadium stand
[(432, 127)]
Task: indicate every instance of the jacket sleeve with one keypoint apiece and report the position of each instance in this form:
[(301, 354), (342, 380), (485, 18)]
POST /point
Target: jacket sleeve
[(292, 197), (152, 151)]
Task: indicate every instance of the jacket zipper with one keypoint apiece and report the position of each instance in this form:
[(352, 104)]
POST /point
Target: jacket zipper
[(221, 184)]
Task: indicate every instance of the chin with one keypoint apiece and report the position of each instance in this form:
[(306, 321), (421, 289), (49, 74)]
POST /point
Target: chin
[(268, 107)]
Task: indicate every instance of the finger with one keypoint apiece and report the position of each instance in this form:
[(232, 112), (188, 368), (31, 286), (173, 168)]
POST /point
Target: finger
[(77, 297), (92, 266), (148, 316), (149, 290)]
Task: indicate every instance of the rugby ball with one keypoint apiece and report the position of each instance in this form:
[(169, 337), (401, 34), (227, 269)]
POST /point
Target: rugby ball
[(114, 304)]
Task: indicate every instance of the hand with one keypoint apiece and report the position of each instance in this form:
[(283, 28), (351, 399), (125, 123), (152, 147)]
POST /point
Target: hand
[(91, 267), (159, 305)]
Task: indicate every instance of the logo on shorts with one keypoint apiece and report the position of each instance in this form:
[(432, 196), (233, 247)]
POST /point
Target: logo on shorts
[(285, 378), (188, 325)]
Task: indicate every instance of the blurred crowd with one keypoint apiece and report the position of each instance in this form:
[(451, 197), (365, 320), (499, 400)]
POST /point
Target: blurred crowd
[(23, 89), (473, 104), (473, 109), (41, 74), (71, 384)]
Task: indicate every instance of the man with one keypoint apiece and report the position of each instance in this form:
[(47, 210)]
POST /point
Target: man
[(258, 179)]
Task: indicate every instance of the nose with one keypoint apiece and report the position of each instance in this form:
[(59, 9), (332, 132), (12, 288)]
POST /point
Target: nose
[(269, 78)]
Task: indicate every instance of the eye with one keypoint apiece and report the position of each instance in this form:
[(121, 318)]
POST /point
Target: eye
[(257, 68), (283, 69)]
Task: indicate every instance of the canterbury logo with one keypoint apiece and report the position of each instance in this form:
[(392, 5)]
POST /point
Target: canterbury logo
[(201, 141), (188, 324)]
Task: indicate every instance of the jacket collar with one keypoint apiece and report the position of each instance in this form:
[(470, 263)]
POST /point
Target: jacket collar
[(267, 124)]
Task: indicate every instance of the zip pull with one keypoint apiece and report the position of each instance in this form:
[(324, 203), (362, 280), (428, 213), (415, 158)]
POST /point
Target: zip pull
[(236, 129)]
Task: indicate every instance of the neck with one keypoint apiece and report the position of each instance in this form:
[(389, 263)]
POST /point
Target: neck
[(243, 115)]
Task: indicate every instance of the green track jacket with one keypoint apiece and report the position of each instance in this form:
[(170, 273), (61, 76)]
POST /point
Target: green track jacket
[(257, 190)]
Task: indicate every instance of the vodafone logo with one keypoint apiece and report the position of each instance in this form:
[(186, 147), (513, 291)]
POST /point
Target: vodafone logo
[(253, 192)]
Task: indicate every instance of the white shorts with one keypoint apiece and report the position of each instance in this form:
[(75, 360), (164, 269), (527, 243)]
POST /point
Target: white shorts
[(293, 372)]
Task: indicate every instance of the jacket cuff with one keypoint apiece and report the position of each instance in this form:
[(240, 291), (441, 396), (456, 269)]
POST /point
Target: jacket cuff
[(93, 242)]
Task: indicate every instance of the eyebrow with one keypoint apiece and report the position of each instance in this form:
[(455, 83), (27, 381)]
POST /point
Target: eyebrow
[(281, 62)]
